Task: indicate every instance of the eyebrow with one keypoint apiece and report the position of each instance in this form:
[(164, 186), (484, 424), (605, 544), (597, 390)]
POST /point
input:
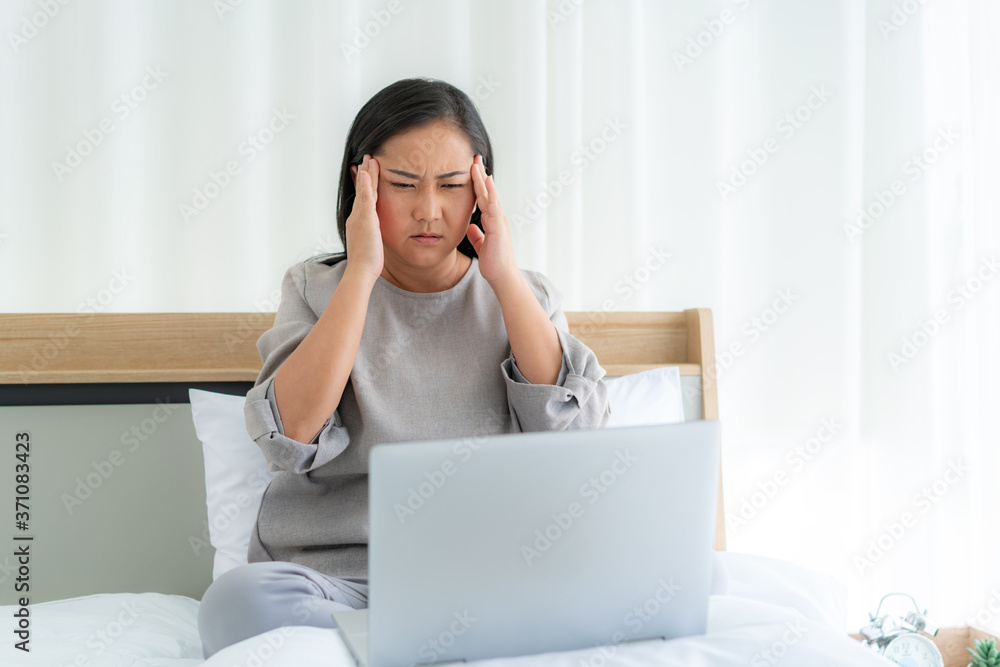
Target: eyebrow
[(415, 177)]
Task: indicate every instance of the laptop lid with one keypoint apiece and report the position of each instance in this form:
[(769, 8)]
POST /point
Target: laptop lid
[(525, 543)]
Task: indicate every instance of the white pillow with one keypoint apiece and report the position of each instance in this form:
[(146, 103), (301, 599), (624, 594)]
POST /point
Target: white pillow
[(236, 475), (236, 472), (646, 398)]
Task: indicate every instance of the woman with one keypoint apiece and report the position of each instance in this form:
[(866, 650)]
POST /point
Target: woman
[(425, 328)]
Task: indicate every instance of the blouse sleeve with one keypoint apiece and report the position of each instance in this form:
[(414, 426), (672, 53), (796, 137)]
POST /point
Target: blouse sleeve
[(578, 399), (293, 321)]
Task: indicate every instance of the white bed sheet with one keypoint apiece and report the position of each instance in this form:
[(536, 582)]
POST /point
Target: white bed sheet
[(775, 613)]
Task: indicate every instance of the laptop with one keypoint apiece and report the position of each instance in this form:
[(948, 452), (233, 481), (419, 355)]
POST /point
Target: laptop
[(525, 543)]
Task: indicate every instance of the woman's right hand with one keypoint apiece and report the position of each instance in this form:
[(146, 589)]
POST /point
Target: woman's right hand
[(364, 237), (309, 384)]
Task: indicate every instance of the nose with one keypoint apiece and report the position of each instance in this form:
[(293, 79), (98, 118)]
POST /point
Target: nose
[(427, 207)]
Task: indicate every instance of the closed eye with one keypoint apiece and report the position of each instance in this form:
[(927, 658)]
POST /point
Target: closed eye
[(445, 185)]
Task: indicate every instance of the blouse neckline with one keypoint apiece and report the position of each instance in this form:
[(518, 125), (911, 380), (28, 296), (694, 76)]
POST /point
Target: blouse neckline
[(457, 287)]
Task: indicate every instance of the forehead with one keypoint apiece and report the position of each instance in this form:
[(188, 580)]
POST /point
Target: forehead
[(436, 144)]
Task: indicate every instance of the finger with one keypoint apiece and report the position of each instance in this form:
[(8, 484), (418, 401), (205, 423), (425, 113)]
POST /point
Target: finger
[(357, 171), (486, 214), (373, 171), (489, 186), (492, 213), (364, 185), (476, 237), (482, 197), (491, 192), (360, 167)]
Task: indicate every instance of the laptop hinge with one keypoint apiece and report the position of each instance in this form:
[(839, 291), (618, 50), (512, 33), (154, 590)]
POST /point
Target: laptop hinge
[(599, 646), (638, 640)]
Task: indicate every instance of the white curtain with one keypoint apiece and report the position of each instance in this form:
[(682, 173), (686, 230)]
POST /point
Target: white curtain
[(821, 175)]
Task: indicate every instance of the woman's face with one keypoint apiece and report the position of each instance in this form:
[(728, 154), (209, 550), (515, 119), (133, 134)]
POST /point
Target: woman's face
[(425, 195)]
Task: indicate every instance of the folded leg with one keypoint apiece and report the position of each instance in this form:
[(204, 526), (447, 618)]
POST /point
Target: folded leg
[(257, 597)]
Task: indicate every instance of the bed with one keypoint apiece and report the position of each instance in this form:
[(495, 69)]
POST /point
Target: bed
[(128, 539)]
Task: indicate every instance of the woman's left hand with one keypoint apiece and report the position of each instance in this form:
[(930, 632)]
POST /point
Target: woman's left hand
[(496, 254)]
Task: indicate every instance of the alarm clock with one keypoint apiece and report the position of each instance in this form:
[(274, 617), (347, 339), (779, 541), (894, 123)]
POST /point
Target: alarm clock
[(905, 640), (913, 650)]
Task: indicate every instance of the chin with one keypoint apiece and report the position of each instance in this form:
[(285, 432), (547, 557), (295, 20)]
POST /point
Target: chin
[(425, 257)]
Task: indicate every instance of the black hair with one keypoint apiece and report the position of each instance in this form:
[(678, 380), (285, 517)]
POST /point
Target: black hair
[(401, 106)]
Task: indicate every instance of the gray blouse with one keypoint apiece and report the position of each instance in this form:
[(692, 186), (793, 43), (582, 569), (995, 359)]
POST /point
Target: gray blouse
[(429, 366)]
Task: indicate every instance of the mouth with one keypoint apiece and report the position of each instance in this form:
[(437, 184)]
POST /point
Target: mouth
[(426, 238)]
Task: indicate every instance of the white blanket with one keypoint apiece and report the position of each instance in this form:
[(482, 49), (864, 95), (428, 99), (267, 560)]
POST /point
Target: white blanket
[(775, 613)]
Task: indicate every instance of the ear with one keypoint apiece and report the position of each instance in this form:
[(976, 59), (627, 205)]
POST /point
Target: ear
[(354, 175)]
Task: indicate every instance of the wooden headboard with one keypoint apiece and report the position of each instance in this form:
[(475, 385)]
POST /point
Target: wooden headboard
[(213, 347), (84, 351)]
